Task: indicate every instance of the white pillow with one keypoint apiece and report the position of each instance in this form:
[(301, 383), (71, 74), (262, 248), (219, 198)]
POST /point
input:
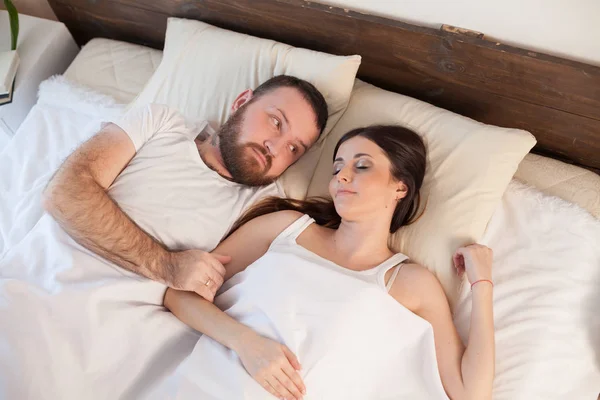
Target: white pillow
[(204, 68), (468, 168)]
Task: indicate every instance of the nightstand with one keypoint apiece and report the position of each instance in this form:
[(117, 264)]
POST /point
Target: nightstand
[(45, 48)]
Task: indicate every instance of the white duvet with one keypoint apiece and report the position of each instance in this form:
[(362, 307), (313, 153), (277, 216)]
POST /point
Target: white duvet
[(73, 326)]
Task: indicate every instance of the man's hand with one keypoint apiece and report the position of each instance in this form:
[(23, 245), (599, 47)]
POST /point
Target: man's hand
[(197, 271)]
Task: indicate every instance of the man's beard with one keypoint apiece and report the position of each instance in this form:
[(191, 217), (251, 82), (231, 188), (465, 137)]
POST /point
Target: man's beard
[(239, 158)]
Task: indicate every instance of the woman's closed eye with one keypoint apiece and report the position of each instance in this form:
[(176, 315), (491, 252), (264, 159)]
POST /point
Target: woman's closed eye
[(337, 168), (362, 164)]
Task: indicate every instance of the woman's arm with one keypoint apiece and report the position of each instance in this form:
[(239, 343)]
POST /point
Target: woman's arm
[(266, 360), (270, 363), (202, 315), (252, 240), (478, 361), (466, 373)]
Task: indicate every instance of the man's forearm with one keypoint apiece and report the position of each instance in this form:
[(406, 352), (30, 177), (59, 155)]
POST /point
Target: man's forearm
[(86, 212)]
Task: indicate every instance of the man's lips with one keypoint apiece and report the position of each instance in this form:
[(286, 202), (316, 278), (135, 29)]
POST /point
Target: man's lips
[(262, 160)]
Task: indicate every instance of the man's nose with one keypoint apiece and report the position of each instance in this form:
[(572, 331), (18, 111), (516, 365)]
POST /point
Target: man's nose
[(273, 146)]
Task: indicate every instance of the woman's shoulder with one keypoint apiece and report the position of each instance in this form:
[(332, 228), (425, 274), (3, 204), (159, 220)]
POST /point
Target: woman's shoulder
[(272, 224), (414, 285), (279, 219)]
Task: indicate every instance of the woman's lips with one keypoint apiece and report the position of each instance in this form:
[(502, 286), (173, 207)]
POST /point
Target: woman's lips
[(344, 192)]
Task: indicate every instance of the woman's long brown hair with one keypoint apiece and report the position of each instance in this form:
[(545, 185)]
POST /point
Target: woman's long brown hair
[(406, 152)]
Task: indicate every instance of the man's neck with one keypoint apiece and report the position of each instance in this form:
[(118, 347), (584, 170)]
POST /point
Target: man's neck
[(208, 148)]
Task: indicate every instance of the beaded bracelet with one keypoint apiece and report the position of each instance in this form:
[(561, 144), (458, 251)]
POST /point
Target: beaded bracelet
[(482, 280)]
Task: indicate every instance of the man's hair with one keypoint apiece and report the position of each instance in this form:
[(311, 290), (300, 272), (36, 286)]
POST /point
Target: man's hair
[(310, 93)]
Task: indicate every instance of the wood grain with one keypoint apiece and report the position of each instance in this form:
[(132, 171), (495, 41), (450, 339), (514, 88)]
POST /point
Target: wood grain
[(555, 99)]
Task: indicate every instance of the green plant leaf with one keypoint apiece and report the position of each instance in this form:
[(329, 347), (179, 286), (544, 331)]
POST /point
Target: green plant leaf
[(13, 17)]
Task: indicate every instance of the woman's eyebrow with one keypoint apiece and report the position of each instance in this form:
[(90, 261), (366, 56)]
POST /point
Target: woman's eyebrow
[(361, 155), (357, 155)]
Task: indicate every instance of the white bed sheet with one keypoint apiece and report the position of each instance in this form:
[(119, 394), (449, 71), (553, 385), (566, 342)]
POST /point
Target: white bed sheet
[(546, 297), (125, 343), (73, 326)]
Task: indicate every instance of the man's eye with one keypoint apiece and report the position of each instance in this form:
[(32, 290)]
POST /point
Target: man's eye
[(293, 148), (276, 122)]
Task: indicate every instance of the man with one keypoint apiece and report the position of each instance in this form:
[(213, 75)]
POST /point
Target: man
[(153, 195)]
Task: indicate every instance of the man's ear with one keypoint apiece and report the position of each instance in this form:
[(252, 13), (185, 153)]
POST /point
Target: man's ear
[(242, 99)]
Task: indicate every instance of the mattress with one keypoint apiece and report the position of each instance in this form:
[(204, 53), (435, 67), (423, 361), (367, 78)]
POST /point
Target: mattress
[(121, 69)]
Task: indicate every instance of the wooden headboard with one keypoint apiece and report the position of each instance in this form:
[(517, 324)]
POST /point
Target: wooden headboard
[(555, 99)]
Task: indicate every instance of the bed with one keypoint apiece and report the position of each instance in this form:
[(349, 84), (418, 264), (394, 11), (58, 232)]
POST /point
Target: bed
[(116, 72)]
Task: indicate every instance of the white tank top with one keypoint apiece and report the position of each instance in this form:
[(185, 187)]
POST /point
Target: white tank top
[(353, 339)]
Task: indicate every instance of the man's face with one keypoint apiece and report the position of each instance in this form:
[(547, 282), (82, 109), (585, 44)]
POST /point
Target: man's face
[(266, 134)]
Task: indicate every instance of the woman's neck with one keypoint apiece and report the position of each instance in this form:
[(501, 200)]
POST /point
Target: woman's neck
[(362, 243)]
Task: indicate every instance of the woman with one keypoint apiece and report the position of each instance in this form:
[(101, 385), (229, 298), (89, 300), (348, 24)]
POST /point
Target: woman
[(326, 310)]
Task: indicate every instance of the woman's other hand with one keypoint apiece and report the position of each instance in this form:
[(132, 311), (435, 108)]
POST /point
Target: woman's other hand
[(273, 366), (475, 260)]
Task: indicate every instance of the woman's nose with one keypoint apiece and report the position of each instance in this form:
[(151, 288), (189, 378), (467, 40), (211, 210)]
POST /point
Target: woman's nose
[(344, 176)]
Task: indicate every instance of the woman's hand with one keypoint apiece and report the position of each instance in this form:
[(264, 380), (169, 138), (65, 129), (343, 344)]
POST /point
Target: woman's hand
[(476, 260), (273, 366)]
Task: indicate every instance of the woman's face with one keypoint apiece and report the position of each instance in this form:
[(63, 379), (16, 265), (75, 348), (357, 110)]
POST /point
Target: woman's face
[(362, 185)]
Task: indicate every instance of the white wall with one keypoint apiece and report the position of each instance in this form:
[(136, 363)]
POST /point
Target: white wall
[(566, 28), (37, 8)]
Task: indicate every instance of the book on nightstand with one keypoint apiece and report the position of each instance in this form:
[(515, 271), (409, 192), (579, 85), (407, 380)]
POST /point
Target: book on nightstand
[(9, 62)]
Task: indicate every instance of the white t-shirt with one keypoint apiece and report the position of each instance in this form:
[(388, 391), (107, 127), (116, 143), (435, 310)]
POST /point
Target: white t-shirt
[(169, 191)]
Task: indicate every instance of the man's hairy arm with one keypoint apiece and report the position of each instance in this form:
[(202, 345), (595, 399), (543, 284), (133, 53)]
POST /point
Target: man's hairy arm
[(77, 199)]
